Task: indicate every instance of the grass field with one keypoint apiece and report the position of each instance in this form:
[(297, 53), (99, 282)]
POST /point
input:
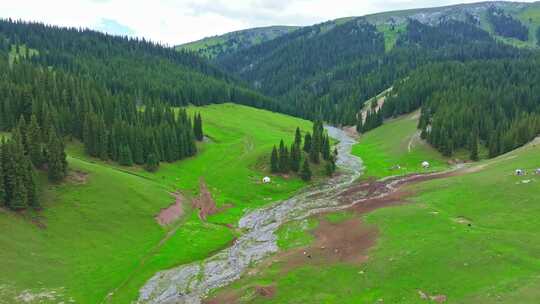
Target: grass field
[(472, 238), (100, 236), (396, 142)]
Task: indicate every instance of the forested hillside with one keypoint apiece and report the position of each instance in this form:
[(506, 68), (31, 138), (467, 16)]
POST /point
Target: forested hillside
[(328, 71), (116, 95), (139, 69), (218, 46)]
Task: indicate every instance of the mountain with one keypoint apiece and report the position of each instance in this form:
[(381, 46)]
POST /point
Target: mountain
[(328, 70), (217, 46)]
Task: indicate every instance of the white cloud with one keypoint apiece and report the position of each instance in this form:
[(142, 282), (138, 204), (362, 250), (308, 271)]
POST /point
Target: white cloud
[(177, 21)]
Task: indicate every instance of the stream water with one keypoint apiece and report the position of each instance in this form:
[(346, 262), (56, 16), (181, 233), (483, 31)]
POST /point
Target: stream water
[(192, 282)]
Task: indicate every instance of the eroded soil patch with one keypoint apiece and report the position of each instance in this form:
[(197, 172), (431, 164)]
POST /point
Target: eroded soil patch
[(170, 214), (204, 202)]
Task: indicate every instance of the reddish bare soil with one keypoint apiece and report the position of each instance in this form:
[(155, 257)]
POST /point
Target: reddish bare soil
[(345, 242), (232, 297), (204, 202), (173, 212)]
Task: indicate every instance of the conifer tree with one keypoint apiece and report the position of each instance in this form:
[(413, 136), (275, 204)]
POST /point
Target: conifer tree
[(314, 153), (283, 158), (56, 158), (296, 157), (30, 184), (17, 182), (307, 143), (298, 137), (125, 158), (197, 127), (326, 148), (274, 161), (152, 163), (305, 172), (33, 138)]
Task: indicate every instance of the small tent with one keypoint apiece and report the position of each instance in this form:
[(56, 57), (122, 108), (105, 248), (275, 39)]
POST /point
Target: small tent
[(537, 171), (425, 165), (266, 180), (520, 172)]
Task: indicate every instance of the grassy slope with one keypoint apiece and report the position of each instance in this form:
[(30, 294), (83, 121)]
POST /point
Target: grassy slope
[(387, 146), (102, 235), (427, 245)]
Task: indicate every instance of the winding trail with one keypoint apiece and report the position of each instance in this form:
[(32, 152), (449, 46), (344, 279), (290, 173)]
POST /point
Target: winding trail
[(191, 283)]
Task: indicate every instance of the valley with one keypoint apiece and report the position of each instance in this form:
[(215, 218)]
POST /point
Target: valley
[(382, 158)]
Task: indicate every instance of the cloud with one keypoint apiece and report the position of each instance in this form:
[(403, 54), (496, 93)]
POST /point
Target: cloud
[(178, 21), (113, 27)]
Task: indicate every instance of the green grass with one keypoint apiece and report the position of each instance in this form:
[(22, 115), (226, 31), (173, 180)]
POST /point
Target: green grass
[(296, 234), (428, 245), (101, 236), (390, 36), (388, 146)]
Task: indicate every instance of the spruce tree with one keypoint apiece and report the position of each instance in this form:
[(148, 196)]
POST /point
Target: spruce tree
[(298, 137), (152, 163), (314, 154), (125, 156), (326, 148), (197, 127), (56, 158), (30, 184), (19, 193), (296, 157), (307, 143), (284, 162), (274, 161), (33, 138), (305, 172)]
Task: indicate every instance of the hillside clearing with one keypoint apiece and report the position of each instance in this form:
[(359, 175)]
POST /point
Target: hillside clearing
[(396, 149)]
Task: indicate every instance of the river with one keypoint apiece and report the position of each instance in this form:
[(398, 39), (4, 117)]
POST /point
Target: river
[(192, 282)]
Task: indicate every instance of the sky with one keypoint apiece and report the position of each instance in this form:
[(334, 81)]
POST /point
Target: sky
[(173, 22)]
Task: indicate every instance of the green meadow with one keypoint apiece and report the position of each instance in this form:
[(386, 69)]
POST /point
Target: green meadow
[(471, 238), (97, 241), (396, 143)]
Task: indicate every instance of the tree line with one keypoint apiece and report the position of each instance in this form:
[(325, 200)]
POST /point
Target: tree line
[(312, 148)]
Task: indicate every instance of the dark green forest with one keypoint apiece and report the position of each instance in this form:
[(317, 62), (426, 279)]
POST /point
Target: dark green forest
[(139, 69), (327, 71)]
